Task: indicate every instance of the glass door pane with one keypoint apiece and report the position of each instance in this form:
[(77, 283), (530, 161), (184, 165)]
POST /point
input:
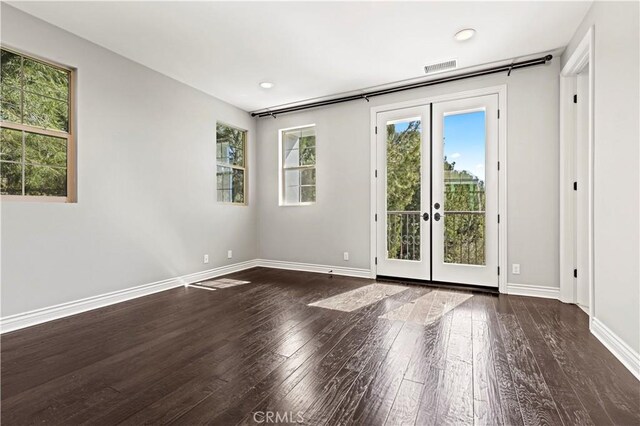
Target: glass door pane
[(464, 188), (403, 165), (404, 187), (465, 191)]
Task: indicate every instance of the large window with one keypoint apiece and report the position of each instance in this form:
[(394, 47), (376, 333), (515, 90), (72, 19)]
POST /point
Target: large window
[(298, 161), (231, 145), (36, 143)]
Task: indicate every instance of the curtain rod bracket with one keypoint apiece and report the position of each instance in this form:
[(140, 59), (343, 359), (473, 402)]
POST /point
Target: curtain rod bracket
[(510, 69), (366, 98)]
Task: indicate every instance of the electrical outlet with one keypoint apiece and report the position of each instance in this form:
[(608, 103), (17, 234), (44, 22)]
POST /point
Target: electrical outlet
[(346, 255), (515, 268), (229, 254), (205, 259)]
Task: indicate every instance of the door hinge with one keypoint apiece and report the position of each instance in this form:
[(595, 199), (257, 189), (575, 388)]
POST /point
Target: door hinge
[(575, 186), (498, 270), (376, 173), (575, 99), (376, 217), (376, 260), (498, 114), (575, 273), (376, 130), (498, 165), (498, 218)]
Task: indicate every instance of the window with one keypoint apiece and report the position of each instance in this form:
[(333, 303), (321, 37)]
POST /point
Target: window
[(298, 160), (36, 143), (231, 145)]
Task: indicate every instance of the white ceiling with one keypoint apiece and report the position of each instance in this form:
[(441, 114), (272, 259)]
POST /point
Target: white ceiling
[(307, 49)]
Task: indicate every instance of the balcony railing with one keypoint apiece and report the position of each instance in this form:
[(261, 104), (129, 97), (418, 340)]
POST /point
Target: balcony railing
[(464, 236), (403, 235)]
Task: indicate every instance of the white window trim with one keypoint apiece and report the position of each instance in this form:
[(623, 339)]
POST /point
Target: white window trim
[(281, 168), (243, 168)]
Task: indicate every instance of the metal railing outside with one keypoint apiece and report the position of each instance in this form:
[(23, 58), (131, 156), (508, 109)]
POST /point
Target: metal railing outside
[(403, 235), (464, 239)]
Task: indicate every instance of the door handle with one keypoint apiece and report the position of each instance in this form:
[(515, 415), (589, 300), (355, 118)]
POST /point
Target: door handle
[(436, 206), (425, 216), (437, 216)]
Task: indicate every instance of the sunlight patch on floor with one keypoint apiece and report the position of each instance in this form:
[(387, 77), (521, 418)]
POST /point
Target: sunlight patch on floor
[(428, 308), (358, 298), (218, 284)]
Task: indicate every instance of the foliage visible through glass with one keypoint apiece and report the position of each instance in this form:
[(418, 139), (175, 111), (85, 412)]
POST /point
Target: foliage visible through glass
[(44, 180), (44, 164), (33, 94), (404, 140), (10, 145), (464, 188), (10, 178), (230, 156), (299, 165)]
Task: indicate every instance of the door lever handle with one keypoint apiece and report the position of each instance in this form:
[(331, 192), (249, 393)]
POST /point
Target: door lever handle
[(437, 216), (425, 216)]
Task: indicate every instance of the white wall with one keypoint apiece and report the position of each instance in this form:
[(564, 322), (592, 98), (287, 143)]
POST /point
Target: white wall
[(616, 165), (146, 206), (339, 221)]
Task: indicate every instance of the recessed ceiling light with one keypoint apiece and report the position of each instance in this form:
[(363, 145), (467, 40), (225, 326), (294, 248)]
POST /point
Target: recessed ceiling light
[(266, 85), (465, 34)]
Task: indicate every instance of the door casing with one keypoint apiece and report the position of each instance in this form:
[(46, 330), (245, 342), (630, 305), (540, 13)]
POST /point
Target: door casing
[(582, 58), (501, 91)]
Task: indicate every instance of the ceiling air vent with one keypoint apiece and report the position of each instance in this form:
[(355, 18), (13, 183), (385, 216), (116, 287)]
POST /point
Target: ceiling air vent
[(441, 67)]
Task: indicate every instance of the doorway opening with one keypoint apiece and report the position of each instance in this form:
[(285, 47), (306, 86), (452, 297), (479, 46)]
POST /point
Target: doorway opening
[(576, 177), (437, 191)]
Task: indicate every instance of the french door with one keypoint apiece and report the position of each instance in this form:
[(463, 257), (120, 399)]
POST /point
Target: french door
[(437, 192), (403, 192)]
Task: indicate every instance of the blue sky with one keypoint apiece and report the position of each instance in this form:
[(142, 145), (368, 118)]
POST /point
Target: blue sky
[(464, 141), (464, 136)]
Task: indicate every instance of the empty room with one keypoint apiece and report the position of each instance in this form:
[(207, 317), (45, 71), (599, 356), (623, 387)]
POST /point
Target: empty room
[(321, 213)]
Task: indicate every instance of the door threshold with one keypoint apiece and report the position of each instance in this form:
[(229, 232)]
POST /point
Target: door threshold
[(439, 284)]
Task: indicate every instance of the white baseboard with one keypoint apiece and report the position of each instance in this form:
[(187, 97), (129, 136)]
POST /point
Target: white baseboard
[(533, 291), (38, 316), (627, 356), (311, 267)]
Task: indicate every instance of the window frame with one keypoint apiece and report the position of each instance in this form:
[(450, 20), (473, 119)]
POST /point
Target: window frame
[(282, 168), (244, 168), (71, 169)]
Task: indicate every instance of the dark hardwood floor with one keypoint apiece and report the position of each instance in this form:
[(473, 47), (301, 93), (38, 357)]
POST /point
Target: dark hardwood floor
[(243, 355)]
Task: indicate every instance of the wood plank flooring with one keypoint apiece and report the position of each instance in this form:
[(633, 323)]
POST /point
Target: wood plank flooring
[(258, 354)]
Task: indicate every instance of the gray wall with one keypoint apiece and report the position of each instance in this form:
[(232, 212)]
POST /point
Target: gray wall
[(146, 206), (616, 176), (339, 221)]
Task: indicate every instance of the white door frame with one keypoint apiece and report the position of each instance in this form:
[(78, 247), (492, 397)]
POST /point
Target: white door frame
[(501, 91), (486, 273), (582, 57), (400, 267)]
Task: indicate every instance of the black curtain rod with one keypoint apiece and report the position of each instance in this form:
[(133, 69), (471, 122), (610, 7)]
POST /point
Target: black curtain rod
[(508, 68)]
